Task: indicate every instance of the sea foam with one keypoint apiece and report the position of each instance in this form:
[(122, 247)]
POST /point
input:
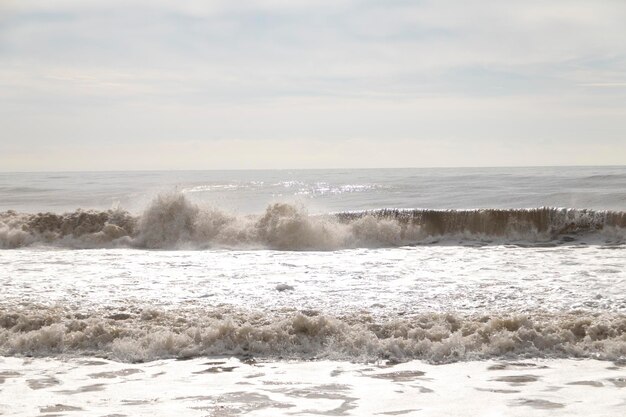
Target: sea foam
[(143, 334)]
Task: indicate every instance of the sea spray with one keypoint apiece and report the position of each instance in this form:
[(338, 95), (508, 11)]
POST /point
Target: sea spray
[(171, 221)]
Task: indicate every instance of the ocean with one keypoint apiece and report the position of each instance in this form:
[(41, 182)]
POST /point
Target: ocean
[(501, 291)]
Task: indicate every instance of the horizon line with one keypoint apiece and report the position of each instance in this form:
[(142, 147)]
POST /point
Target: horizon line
[(314, 169)]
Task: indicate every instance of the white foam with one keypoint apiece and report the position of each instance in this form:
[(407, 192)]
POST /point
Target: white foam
[(139, 335), (227, 386)]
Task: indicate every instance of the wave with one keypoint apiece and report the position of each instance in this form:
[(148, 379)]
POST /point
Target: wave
[(138, 334), (173, 222)]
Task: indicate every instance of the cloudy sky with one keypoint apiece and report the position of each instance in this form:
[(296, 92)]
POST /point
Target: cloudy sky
[(188, 84)]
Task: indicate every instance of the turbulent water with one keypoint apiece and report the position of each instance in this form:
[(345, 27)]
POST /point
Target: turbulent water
[(441, 264), (172, 222)]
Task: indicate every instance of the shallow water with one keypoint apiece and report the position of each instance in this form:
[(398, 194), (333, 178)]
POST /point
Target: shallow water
[(227, 387)]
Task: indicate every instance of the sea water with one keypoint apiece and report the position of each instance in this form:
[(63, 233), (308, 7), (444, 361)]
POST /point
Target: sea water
[(435, 265)]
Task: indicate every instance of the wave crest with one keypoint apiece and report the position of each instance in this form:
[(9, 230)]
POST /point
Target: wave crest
[(171, 221)]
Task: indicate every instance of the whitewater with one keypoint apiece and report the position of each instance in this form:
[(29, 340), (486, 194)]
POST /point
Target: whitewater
[(318, 292)]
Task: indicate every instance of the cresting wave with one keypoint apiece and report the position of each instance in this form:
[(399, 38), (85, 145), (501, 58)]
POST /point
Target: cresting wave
[(173, 222), (145, 334)]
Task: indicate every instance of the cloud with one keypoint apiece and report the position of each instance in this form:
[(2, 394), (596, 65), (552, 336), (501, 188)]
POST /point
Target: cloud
[(396, 70), (605, 84)]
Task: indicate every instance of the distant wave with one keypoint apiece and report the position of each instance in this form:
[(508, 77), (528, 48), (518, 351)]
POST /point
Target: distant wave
[(138, 334), (173, 222), (604, 177)]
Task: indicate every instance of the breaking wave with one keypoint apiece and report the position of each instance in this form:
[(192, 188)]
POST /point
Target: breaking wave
[(173, 222), (145, 334)]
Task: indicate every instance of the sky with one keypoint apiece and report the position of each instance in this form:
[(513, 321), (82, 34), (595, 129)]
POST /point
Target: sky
[(189, 84)]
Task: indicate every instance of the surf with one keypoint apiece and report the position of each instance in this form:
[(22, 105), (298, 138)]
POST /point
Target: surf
[(172, 221)]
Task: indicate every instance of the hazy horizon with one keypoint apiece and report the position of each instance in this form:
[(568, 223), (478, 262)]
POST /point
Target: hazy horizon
[(477, 167), (195, 85)]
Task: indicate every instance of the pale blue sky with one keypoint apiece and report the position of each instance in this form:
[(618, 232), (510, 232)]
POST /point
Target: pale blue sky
[(154, 84)]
